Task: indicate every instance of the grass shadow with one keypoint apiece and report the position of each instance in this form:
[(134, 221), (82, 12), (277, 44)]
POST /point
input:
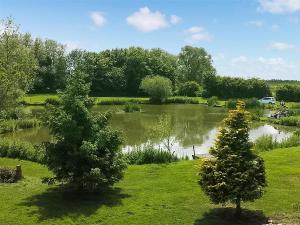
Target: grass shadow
[(57, 203), (226, 216)]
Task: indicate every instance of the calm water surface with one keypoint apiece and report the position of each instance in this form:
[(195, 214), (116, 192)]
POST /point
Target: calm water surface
[(191, 125)]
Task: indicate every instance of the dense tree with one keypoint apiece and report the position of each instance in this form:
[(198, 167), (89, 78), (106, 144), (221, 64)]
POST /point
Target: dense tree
[(194, 64), (288, 92), (235, 173), (52, 68), (157, 87), (87, 153), (17, 66), (190, 89)]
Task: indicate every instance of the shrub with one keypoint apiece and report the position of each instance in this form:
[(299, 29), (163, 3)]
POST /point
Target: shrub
[(287, 121), (190, 89), (14, 125), (8, 175), (213, 101), (149, 155), (235, 173), (131, 107), (157, 87), (290, 93), (182, 100), (250, 103), (21, 150)]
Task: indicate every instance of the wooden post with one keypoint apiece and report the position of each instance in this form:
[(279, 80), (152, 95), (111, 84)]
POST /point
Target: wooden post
[(18, 172)]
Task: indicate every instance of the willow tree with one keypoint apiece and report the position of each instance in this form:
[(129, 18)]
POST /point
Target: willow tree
[(235, 173)]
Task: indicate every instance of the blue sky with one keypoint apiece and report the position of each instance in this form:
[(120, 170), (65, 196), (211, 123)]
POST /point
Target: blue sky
[(247, 38)]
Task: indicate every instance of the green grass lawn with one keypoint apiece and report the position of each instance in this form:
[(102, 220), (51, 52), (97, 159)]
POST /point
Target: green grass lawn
[(150, 194)]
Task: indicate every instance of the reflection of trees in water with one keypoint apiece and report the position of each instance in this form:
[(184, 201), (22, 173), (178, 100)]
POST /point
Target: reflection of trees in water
[(190, 123)]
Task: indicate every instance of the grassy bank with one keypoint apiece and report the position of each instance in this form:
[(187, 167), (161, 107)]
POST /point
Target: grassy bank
[(41, 100), (150, 194)]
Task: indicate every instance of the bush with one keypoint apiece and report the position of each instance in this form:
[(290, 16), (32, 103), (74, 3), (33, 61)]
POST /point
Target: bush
[(8, 175), (267, 143), (213, 101), (289, 93), (190, 89), (287, 121), (149, 155), (250, 103), (131, 107), (157, 87), (182, 100), (17, 149), (14, 125)]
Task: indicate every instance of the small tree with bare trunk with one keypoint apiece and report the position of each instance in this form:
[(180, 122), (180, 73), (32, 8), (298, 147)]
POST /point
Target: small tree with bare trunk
[(234, 174)]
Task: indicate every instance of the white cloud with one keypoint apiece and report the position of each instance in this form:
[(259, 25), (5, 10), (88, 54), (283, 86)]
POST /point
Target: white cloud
[(279, 6), (98, 18), (175, 19), (256, 23), (277, 63), (196, 34), (146, 21), (240, 59), (282, 46)]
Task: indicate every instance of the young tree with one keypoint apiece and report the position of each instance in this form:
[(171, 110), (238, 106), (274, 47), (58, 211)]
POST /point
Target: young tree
[(87, 152), (235, 173), (17, 66), (157, 87)]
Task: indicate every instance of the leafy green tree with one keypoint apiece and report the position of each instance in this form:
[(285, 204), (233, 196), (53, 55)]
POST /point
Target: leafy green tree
[(157, 87), (235, 173), (194, 64), (87, 152), (190, 89), (52, 66), (17, 66)]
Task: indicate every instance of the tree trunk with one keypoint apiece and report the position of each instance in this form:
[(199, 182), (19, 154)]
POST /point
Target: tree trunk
[(238, 209)]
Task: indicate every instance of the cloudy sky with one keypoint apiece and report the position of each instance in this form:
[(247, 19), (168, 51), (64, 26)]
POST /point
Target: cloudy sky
[(246, 38)]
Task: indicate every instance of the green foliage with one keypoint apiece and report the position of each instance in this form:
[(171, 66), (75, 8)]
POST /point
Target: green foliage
[(149, 155), (288, 92), (235, 173), (287, 121), (190, 89), (8, 175), (182, 100), (194, 64), (163, 132), (21, 150), (213, 101), (267, 143), (250, 103), (157, 87), (17, 66), (232, 87), (87, 154), (52, 101), (14, 125), (131, 107), (120, 100)]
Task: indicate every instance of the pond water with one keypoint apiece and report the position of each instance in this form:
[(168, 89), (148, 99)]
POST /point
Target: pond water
[(192, 125)]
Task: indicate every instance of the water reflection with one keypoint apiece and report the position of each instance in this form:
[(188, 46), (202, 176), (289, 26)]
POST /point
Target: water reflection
[(191, 125)]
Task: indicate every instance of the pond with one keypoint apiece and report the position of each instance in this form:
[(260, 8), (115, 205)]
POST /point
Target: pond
[(192, 125)]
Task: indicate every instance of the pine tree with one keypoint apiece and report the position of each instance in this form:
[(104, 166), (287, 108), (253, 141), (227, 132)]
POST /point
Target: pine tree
[(234, 174), (86, 153)]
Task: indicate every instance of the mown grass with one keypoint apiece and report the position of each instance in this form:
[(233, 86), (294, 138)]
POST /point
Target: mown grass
[(151, 194)]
